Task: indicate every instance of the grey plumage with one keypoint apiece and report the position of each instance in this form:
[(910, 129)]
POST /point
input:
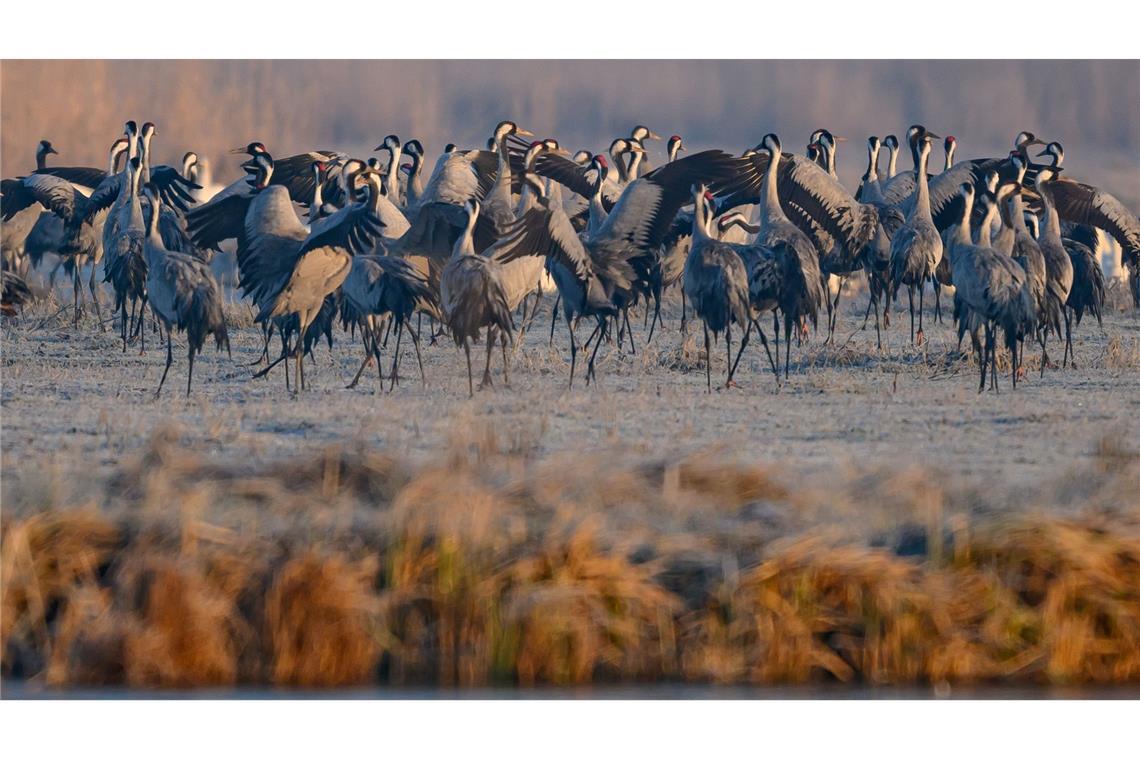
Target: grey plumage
[(472, 298), (184, 295)]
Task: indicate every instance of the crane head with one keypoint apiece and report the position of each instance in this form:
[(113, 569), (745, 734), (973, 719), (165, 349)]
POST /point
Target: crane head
[(391, 142), (253, 149), (1056, 150), (891, 142), (148, 129), (45, 148), (642, 132), (1026, 140), (414, 148), (771, 143)]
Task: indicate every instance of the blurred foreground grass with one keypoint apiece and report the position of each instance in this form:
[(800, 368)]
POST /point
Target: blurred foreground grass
[(489, 566)]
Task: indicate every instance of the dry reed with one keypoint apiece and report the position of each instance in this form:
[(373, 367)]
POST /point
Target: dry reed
[(489, 566)]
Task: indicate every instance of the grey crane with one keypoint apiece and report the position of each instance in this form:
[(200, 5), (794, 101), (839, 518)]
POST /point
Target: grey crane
[(1087, 293), (1080, 203), (716, 284), (640, 134), (126, 264), (17, 225), (218, 219), (498, 205), (472, 298), (599, 273), (1058, 265), (797, 183), (916, 247), (992, 291), (414, 185), (321, 263), (380, 286), (949, 145), (183, 294), (891, 143)]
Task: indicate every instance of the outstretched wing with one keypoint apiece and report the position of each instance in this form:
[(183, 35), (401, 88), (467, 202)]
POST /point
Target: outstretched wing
[(544, 231), (84, 176), (55, 193), (1085, 204), (352, 230), (645, 210)]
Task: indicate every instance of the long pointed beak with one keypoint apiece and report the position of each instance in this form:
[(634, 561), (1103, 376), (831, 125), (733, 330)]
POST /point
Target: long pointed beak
[(933, 136), (681, 148), (236, 151), (1035, 141), (53, 150), (839, 139), (524, 132), (653, 136)]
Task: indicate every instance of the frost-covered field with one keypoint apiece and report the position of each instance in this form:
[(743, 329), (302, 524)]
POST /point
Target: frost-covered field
[(73, 396)]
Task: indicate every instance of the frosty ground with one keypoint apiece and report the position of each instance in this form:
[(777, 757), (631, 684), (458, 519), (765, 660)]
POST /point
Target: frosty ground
[(73, 396)]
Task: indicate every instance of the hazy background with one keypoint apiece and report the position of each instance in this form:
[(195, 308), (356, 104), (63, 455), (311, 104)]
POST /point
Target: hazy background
[(210, 106)]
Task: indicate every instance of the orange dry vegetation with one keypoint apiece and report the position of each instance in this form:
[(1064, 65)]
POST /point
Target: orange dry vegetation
[(492, 567)]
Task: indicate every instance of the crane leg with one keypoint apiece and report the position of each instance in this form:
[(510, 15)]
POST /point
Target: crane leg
[(169, 361), (573, 351), (1044, 354), (190, 373), (1068, 340), (991, 338), (419, 358), (684, 313), (142, 325), (506, 364), (553, 318), (75, 292), (776, 336), (921, 291), (1011, 344), (727, 353), (299, 380), (486, 382), (123, 320), (708, 358), (396, 357), (767, 350), (983, 355), (743, 344), (827, 301), (910, 295), (835, 310), (95, 297), (656, 317), (365, 334), (593, 355), (470, 385), (787, 344), (628, 331), (359, 372)]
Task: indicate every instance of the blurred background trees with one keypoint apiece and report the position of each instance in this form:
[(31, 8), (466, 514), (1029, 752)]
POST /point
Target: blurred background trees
[(211, 106)]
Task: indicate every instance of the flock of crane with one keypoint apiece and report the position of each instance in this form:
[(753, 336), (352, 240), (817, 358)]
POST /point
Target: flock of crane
[(322, 237)]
